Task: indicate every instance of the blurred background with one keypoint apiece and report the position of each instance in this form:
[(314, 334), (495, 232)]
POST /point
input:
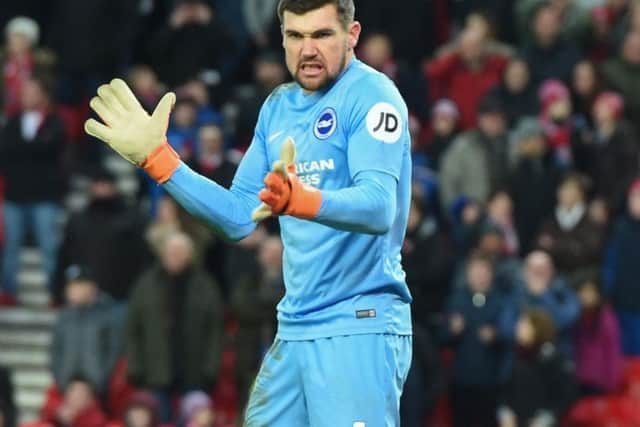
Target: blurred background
[(523, 250)]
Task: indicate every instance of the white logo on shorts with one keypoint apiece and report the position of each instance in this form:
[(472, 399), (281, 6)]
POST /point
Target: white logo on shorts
[(359, 424), (384, 123)]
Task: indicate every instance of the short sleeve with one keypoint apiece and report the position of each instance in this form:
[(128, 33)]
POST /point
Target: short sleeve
[(377, 133)]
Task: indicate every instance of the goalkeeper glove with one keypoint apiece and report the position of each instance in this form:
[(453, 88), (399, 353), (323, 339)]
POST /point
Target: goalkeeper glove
[(129, 130), (284, 193)]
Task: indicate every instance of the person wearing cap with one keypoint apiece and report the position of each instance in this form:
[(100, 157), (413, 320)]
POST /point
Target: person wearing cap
[(556, 119), (196, 410), (88, 335), (621, 270), (19, 60), (476, 163), (32, 165), (610, 158), (533, 180), (444, 124), (107, 236)]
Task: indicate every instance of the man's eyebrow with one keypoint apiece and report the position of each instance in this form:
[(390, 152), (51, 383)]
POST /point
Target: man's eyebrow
[(316, 33)]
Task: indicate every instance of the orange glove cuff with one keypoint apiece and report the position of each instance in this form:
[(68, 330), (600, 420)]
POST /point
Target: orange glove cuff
[(305, 200), (161, 163)]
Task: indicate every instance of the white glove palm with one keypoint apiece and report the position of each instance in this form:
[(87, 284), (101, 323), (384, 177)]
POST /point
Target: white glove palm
[(129, 130)]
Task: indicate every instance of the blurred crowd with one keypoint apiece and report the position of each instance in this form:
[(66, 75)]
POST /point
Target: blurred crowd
[(523, 247)]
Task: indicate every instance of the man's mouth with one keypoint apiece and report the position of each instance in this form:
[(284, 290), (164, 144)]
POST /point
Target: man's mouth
[(311, 69)]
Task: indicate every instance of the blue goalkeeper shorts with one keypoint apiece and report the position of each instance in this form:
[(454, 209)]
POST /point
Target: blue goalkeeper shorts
[(344, 381)]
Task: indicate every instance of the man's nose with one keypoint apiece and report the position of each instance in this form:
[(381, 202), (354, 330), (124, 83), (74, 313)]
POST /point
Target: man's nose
[(309, 48)]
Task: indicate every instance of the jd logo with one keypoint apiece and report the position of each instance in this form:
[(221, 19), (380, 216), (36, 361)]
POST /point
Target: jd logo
[(390, 122), (384, 123)]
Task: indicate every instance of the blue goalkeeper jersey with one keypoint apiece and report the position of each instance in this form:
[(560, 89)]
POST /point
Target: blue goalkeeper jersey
[(337, 282)]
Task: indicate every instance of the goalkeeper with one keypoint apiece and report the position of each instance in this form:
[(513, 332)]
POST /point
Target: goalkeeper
[(342, 192)]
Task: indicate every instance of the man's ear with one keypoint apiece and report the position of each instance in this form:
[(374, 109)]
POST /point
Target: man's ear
[(354, 34)]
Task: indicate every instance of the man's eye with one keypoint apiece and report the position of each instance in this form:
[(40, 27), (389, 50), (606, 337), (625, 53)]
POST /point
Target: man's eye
[(295, 36), (323, 35)]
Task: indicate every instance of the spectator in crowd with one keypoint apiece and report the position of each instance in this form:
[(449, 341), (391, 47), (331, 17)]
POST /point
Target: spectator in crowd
[(212, 161), (87, 337), (556, 120), (268, 73), (92, 39), (8, 415), (491, 242), (78, 407), (545, 290), (573, 17), (570, 236), (183, 129), (260, 19), (471, 327), (444, 124), (500, 215), (427, 256), (377, 51), (242, 257), (141, 411), (465, 75), (177, 48), (610, 157), (549, 55), (197, 410), (516, 91), (426, 380), (174, 328), (197, 90), (533, 180), (476, 164), (621, 271), (621, 74), (253, 299), (144, 83), (31, 163), (598, 348), (20, 60), (541, 386), (107, 237), (586, 85)]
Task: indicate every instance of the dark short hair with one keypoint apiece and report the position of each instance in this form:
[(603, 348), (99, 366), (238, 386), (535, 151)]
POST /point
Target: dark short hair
[(346, 8)]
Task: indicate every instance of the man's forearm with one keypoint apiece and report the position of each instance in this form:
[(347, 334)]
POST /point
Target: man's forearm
[(366, 207), (228, 211)]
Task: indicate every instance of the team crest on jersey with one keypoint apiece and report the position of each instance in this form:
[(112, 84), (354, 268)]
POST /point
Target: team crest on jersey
[(326, 124)]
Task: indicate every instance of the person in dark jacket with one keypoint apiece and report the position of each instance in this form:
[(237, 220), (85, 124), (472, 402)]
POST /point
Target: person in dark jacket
[(31, 148), (211, 160), (533, 180), (541, 386), (7, 404), (107, 237), (87, 337), (622, 269), (516, 91), (473, 314), (610, 157), (444, 124), (570, 236), (427, 258), (548, 55), (174, 326), (192, 44), (254, 298)]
